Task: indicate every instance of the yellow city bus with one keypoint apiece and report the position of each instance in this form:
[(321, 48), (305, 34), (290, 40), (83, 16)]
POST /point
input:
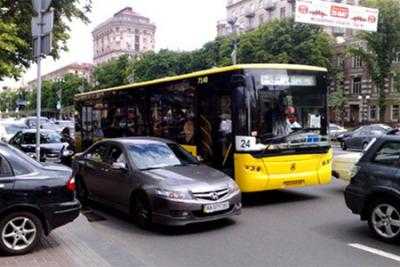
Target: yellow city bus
[(265, 125)]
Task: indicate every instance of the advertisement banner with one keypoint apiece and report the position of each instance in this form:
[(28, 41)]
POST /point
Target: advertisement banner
[(336, 15)]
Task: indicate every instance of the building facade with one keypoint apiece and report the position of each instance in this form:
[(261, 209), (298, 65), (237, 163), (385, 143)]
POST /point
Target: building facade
[(361, 94), (83, 70), (250, 14), (126, 33)]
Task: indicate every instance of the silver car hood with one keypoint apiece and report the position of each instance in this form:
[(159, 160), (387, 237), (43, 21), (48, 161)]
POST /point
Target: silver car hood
[(196, 178)]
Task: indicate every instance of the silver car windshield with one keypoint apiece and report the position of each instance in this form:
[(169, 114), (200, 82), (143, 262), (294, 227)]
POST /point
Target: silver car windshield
[(159, 155)]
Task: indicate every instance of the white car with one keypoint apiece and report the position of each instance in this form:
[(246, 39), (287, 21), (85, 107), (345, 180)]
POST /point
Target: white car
[(8, 129), (343, 164), (335, 130)]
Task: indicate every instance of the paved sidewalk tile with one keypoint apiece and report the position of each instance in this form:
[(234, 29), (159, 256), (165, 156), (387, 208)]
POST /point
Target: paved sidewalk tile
[(76, 244)]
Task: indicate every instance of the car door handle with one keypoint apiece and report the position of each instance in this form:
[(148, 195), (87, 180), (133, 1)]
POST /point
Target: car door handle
[(2, 186)]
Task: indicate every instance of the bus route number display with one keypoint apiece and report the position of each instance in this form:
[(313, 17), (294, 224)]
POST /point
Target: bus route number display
[(288, 80), (245, 143)]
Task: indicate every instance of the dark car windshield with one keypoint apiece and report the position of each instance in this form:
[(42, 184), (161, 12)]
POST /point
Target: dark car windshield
[(45, 138), (159, 155)]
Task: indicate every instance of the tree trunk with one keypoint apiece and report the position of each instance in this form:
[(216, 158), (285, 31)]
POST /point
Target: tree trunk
[(381, 100)]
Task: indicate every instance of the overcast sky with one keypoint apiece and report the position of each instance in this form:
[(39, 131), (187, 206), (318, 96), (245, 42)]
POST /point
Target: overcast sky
[(181, 25)]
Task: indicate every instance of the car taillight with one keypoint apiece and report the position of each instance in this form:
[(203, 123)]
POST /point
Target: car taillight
[(71, 186)]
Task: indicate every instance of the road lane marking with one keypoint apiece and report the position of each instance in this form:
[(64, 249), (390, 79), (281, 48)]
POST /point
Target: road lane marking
[(376, 251)]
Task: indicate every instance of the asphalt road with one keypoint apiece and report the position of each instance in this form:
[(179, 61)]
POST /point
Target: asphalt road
[(299, 227), (304, 227)]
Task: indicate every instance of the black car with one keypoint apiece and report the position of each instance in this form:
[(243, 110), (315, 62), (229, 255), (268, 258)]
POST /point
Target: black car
[(360, 138), (53, 147), (156, 181), (34, 199), (374, 189)]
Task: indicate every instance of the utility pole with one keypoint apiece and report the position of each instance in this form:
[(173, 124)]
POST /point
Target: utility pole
[(42, 26), (232, 22)]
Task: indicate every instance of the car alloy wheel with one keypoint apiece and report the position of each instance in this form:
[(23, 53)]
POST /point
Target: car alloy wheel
[(20, 233), (142, 212), (385, 221)]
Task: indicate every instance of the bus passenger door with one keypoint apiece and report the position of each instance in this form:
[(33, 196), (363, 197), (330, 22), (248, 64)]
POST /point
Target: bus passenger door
[(214, 131)]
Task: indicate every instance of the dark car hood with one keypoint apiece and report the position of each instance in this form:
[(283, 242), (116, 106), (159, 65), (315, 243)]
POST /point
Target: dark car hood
[(198, 177)]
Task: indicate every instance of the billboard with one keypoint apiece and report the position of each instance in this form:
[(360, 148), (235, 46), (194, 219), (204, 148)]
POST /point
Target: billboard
[(336, 15)]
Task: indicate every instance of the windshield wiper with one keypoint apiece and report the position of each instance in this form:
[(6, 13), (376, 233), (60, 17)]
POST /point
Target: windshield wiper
[(295, 132), (150, 168)]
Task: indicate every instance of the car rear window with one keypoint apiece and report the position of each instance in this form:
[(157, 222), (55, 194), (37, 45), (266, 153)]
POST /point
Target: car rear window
[(388, 154)]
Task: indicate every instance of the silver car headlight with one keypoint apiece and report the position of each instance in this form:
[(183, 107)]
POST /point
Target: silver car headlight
[(233, 187), (175, 195)]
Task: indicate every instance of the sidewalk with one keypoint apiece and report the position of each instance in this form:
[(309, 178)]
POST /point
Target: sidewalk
[(76, 244)]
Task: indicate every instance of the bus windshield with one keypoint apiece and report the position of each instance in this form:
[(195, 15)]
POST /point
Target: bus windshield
[(288, 110)]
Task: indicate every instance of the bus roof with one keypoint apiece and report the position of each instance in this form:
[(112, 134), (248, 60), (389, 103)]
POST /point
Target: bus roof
[(209, 72)]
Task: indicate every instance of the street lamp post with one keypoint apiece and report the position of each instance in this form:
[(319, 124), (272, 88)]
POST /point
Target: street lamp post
[(364, 109), (42, 26), (232, 22)]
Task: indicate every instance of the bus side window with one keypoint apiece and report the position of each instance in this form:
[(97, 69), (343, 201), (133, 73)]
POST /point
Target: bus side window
[(135, 117), (172, 113)]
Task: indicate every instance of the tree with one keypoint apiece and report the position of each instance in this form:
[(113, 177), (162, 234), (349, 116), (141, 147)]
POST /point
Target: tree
[(70, 85), (112, 73), (281, 41), (284, 41), (15, 31), (381, 46), (337, 100)]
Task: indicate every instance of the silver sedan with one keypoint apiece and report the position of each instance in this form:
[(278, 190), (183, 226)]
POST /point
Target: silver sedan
[(156, 181)]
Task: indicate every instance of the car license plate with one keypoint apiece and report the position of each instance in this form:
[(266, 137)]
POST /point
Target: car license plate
[(210, 208)]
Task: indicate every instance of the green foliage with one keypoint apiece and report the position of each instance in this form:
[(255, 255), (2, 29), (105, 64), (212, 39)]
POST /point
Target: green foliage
[(281, 41), (112, 73), (337, 99), (69, 86), (284, 41), (381, 46), (10, 44), (8, 101), (15, 31)]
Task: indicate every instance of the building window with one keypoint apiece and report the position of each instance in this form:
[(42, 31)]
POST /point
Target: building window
[(261, 19), (137, 43), (397, 58), (356, 86), (395, 112), (283, 12), (357, 62), (373, 112)]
